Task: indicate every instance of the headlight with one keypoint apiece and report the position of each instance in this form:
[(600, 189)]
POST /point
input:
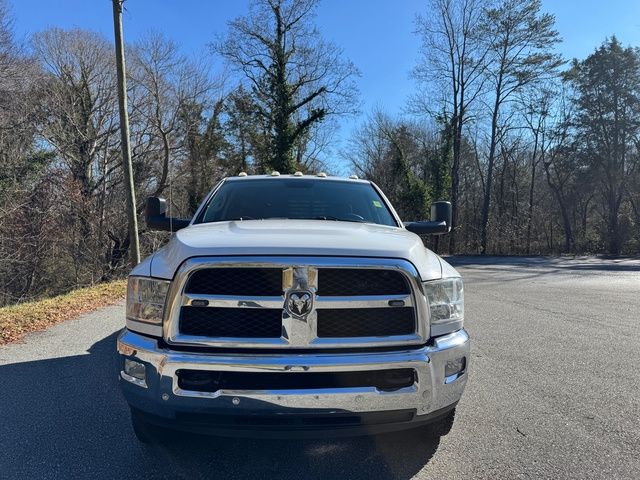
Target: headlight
[(446, 305), (145, 303)]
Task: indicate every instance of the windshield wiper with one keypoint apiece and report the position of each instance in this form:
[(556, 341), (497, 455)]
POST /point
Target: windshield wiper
[(337, 219), (319, 217)]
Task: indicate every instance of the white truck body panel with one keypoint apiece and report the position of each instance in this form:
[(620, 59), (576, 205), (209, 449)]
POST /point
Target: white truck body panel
[(292, 237)]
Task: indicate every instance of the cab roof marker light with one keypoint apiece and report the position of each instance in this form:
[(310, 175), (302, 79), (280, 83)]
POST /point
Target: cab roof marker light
[(242, 174), (297, 174), (275, 173), (354, 177), (322, 175)]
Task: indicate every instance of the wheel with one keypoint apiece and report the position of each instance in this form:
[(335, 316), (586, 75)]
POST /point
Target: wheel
[(144, 431)]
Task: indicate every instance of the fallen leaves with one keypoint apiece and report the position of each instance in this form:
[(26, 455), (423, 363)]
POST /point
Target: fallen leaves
[(17, 320)]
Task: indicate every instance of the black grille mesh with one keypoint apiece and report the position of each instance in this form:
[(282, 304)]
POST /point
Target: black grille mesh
[(236, 281), (212, 381), (351, 281), (231, 322), (365, 322)]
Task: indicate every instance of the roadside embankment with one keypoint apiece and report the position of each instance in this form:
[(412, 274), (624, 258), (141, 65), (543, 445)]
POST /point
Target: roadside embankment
[(18, 320)]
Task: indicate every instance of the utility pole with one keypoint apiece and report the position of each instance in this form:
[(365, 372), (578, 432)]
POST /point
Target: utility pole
[(134, 244)]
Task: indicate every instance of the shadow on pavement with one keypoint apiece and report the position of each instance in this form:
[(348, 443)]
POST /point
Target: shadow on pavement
[(65, 418)]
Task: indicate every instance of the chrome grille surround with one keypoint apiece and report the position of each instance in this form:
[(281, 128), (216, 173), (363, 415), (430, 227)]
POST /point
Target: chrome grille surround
[(296, 332)]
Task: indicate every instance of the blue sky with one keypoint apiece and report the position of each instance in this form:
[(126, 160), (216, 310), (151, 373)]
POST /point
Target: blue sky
[(375, 34)]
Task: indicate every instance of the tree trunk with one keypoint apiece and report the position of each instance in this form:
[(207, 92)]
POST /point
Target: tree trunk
[(534, 163), (566, 218), (613, 227), (455, 179), (282, 156), (486, 204)]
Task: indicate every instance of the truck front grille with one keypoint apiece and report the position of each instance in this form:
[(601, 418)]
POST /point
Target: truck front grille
[(365, 322), (236, 281), (281, 302), (268, 282), (212, 381), (231, 322), (354, 282)]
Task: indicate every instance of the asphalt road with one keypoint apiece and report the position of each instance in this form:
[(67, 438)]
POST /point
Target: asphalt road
[(554, 392)]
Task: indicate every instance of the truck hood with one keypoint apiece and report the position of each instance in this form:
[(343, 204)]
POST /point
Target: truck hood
[(291, 237)]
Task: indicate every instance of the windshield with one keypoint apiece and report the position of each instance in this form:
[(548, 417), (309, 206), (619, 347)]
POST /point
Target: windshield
[(297, 199)]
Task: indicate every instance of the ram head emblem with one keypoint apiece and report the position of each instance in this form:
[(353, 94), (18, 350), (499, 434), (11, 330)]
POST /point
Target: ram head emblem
[(298, 304)]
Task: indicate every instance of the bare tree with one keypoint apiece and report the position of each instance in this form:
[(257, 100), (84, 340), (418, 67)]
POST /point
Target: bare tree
[(452, 61), (80, 113), (520, 39), (23, 207), (391, 152), (536, 109), (164, 82), (81, 104), (244, 131)]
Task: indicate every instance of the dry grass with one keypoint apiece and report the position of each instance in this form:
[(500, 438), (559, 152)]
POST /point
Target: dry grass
[(17, 320)]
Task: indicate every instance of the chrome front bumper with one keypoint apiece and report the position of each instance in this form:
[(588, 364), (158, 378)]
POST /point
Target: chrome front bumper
[(159, 394)]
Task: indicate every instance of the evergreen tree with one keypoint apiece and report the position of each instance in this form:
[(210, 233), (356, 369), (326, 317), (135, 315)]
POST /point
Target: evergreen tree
[(607, 86), (297, 79)]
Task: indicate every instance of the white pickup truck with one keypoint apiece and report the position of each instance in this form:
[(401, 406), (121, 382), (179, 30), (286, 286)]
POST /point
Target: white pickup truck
[(293, 305)]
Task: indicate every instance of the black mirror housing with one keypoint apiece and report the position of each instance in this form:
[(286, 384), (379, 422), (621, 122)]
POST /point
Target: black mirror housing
[(442, 212), (156, 216), (156, 207), (440, 223)]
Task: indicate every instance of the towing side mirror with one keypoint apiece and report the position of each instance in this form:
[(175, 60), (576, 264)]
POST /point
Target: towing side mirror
[(156, 216), (440, 223)]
